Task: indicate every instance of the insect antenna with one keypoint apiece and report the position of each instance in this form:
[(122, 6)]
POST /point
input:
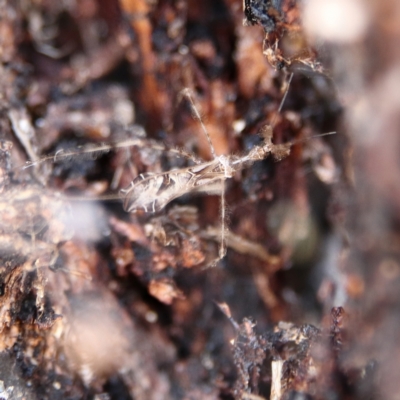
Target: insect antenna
[(86, 151), (91, 151), (280, 151), (289, 81), (313, 137)]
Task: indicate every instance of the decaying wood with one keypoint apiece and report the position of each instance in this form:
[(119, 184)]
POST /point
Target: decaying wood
[(100, 303)]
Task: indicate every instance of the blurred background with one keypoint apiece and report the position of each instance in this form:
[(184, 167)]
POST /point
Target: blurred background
[(98, 303)]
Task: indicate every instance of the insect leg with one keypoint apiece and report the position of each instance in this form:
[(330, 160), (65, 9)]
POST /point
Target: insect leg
[(222, 246), (187, 93)]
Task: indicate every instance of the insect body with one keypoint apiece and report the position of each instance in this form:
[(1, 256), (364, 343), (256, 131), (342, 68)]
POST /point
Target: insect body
[(152, 192)]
